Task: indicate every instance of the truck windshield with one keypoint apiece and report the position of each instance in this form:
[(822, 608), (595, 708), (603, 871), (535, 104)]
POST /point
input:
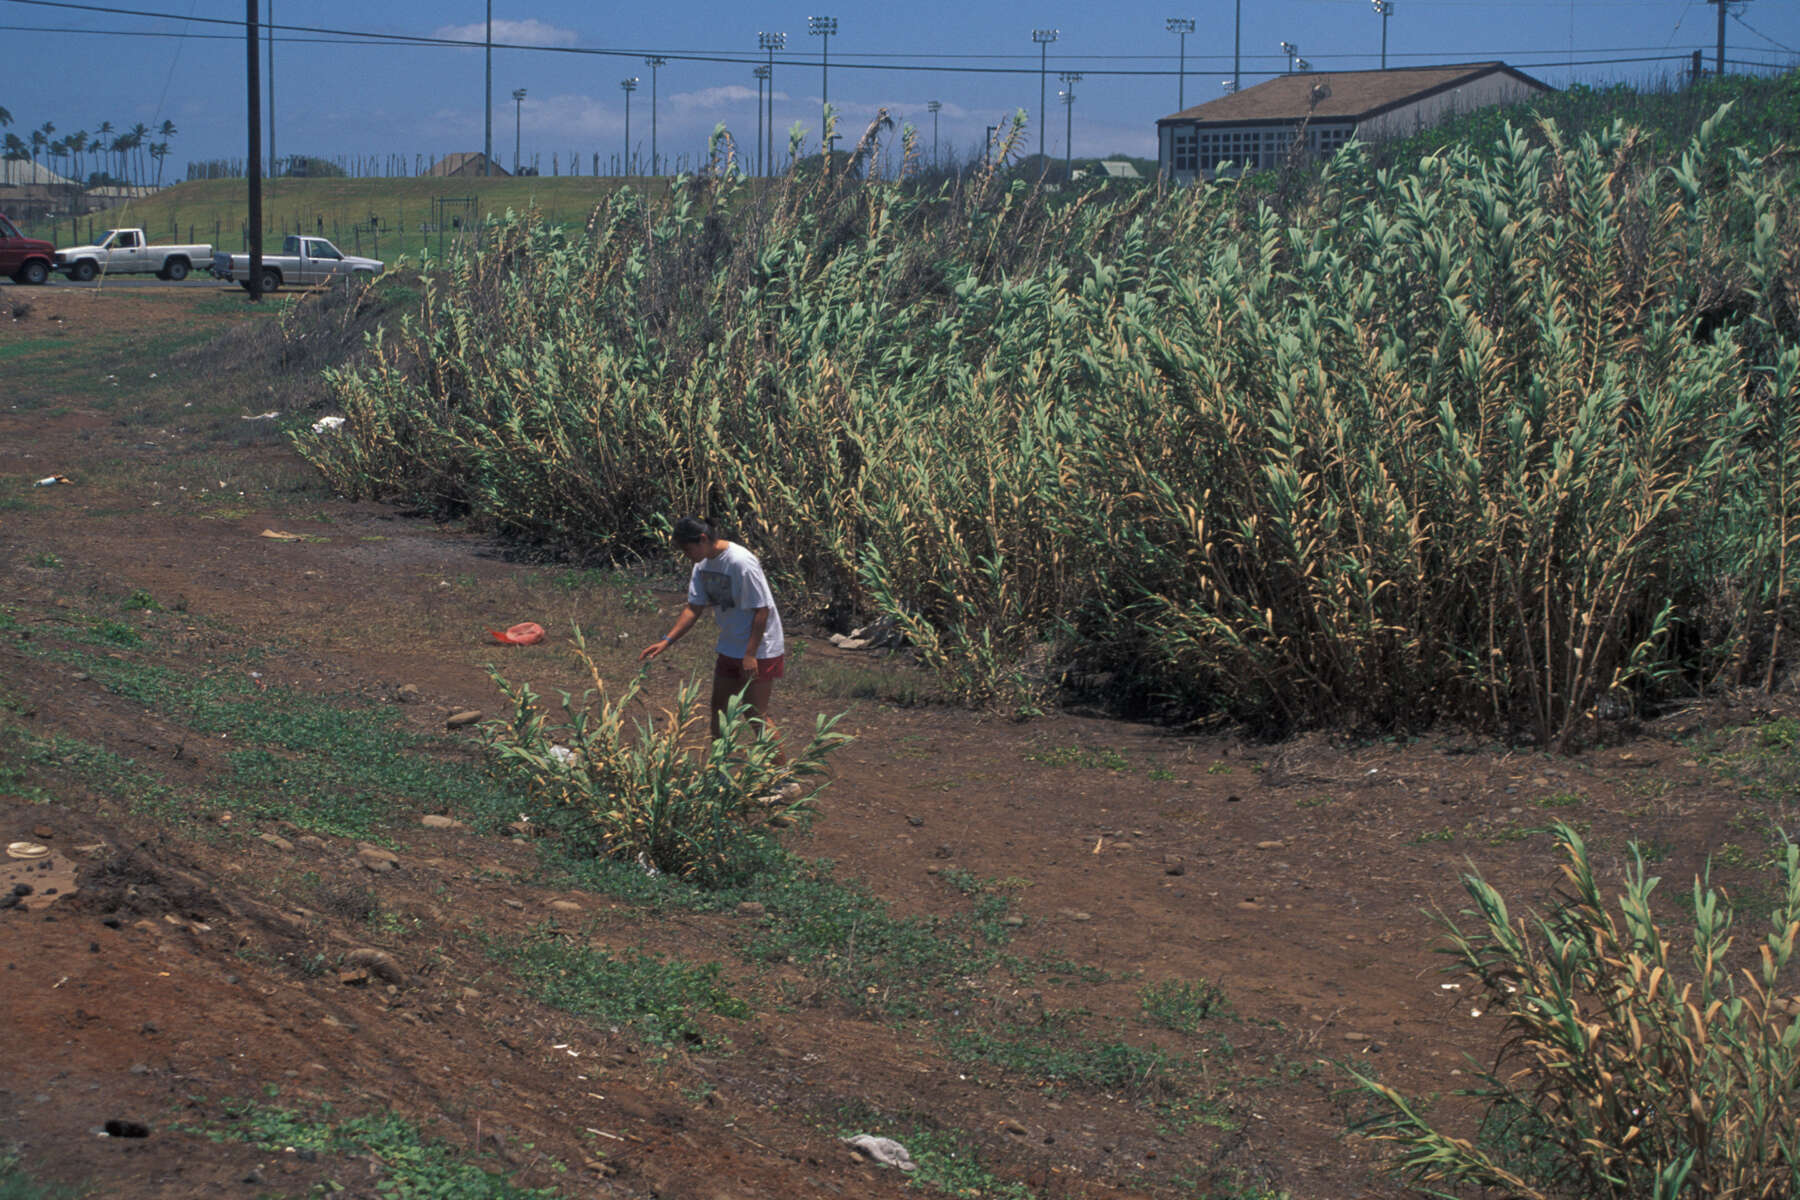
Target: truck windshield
[(6, 229)]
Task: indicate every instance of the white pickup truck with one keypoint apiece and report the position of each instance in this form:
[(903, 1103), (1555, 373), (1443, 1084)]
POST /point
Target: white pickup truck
[(303, 261), (128, 252)]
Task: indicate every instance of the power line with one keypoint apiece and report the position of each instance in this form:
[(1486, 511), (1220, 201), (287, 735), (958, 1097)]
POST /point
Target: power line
[(336, 36)]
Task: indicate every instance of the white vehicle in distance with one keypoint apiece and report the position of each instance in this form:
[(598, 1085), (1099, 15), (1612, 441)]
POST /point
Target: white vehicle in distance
[(303, 261), (129, 252)]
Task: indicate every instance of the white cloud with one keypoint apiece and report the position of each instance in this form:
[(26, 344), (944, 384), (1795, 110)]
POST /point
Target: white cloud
[(715, 99), (517, 33)]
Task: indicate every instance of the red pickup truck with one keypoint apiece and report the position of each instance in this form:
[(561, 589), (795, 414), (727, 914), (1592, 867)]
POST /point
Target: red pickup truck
[(26, 260)]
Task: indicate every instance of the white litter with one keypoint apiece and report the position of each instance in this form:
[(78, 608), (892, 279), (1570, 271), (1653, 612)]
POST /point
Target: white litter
[(267, 416), (883, 1150), (324, 424), (562, 754), (51, 481)]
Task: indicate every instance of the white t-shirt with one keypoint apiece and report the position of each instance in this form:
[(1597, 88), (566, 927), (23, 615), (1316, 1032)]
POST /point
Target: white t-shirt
[(732, 584)]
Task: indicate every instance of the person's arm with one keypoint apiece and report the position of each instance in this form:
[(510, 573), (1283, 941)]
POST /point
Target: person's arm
[(759, 621), (684, 621)]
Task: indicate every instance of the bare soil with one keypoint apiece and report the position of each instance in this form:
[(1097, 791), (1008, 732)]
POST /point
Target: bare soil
[(163, 967)]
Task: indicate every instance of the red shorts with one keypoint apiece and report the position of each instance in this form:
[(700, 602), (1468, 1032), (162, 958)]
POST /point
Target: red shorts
[(729, 668)]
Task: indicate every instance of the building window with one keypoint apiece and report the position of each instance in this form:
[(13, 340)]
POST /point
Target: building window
[(1181, 149)]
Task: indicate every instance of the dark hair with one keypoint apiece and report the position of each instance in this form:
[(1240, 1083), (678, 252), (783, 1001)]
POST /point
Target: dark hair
[(689, 530)]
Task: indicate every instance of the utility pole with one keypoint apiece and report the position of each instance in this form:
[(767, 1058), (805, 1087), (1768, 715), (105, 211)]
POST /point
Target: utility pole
[(934, 107), (630, 86), (762, 75), (487, 99), (1292, 50), (1383, 9), (272, 171), (518, 109), (653, 62), (253, 163), (1181, 26), (1069, 80), (771, 42), (1237, 46), (1719, 62), (987, 148), (1043, 37), (822, 28)]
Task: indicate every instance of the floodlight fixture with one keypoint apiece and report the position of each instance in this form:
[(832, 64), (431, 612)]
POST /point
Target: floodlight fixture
[(822, 28), (1293, 52), (653, 61), (1181, 27), (770, 43), (629, 84), (934, 107), (1043, 38), (1383, 9), (518, 108)]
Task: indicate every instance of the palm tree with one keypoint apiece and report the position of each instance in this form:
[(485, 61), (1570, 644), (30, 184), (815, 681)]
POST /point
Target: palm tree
[(14, 150), (39, 139), (159, 151), (78, 144), (119, 147), (5, 118), (101, 146), (139, 132)]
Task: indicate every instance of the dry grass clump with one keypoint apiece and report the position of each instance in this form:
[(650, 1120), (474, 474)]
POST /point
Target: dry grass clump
[(1511, 439), (1628, 1067)]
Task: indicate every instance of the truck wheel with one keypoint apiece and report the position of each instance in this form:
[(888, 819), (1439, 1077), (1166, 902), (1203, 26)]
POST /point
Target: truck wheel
[(175, 270), (84, 271), (271, 282), (34, 272)]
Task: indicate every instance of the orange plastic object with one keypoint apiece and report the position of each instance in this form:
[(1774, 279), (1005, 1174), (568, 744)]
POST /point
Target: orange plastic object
[(526, 633)]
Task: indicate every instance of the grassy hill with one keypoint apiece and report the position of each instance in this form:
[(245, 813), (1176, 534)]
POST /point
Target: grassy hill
[(382, 218)]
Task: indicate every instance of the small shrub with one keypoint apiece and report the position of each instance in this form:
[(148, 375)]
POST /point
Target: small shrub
[(1626, 1068), (644, 791), (1181, 1004)]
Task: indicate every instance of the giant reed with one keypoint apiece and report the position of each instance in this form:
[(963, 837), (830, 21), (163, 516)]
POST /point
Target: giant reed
[(1510, 438)]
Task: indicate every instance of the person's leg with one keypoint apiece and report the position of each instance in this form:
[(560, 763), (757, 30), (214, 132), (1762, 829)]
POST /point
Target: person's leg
[(723, 689), (758, 694)]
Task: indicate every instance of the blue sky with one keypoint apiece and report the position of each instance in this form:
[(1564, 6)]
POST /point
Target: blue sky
[(336, 99)]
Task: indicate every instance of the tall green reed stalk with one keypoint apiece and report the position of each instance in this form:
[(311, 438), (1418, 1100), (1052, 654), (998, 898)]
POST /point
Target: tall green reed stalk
[(1507, 438)]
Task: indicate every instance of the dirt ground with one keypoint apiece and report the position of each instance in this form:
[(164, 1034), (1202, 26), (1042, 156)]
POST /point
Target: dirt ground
[(162, 970)]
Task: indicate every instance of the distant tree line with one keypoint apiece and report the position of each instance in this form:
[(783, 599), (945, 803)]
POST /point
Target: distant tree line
[(105, 157)]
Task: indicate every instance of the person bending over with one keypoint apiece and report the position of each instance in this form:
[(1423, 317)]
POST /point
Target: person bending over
[(751, 649)]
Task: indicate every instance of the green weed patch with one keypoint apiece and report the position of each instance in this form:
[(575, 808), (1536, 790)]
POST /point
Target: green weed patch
[(412, 1167), (661, 999)]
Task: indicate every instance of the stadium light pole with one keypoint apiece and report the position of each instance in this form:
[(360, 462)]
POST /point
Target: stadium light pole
[(762, 75), (987, 147), (1043, 37), (934, 107), (1383, 9), (822, 28), (271, 24), (1069, 80), (654, 61), (1237, 45), (630, 85), (1719, 63), (487, 98), (1181, 26), (771, 42), (1292, 51), (518, 108)]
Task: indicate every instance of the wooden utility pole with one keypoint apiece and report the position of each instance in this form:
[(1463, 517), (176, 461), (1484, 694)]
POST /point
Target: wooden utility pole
[(253, 35)]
